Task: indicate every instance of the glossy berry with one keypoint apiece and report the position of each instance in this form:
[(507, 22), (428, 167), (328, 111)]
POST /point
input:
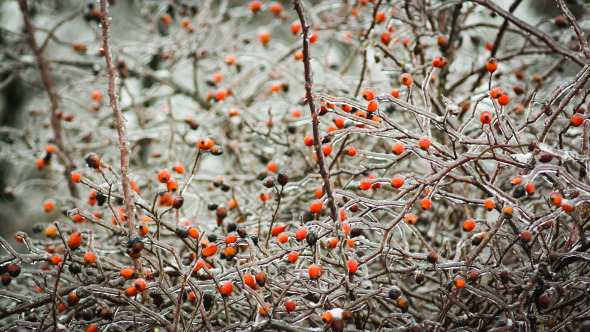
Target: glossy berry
[(89, 258), (372, 107), (368, 95), (48, 206), (290, 306), (406, 79), (293, 256), (556, 198), (496, 93), (459, 282), (468, 225), (127, 273), (365, 185), (577, 120), (301, 234), (503, 100), (424, 143), (486, 117), (492, 65), (426, 204), (397, 149), (75, 240), (226, 288), (250, 281), (315, 272), (76, 177), (316, 207), (489, 205), (410, 219), (352, 266), (140, 284), (164, 176), (397, 182), (205, 144)]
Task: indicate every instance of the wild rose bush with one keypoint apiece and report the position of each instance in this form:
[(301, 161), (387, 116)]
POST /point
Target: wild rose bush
[(449, 191)]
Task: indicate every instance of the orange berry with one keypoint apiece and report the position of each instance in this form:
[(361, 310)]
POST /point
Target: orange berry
[(231, 238), (327, 149), (410, 219), (426, 204), (143, 229), (350, 151), (56, 260), (75, 240), (397, 182), (333, 242), (249, 280), (508, 211), (172, 185), (397, 148), (372, 107), (492, 65), (406, 79), (516, 181), (459, 281), (368, 95), (127, 273), (313, 38), (530, 188), (209, 251), (380, 17), (295, 28), (283, 238), (41, 163), (96, 95), (327, 317), (504, 99), (226, 288), (365, 185), (577, 120), (489, 205), (556, 198), (140, 284), (290, 306), (48, 206), (164, 176), (205, 144), (255, 6), (352, 266), (301, 234), (166, 19), (50, 231), (439, 61), (567, 207), (395, 93), (316, 207), (386, 38), (278, 229), (468, 225), (264, 38), (264, 311), (293, 256), (496, 93), (272, 167), (315, 272), (276, 9), (485, 117), (424, 143), (308, 140), (76, 177), (89, 258)]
